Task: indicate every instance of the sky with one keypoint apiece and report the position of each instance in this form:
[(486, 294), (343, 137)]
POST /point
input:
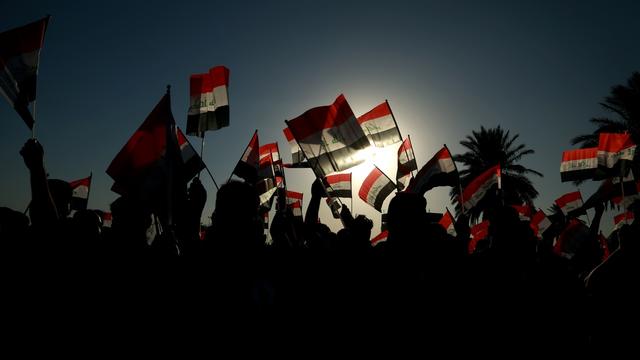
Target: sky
[(536, 68)]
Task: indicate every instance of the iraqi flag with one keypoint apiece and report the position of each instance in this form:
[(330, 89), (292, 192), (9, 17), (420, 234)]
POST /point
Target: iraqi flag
[(380, 238), (144, 166), (540, 223), (296, 208), (448, 223), (266, 191), (439, 171), (19, 57), (475, 191), (569, 202), (380, 126), (247, 166), (612, 148), (375, 188), (330, 137), (524, 212), (297, 157), (338, 185), (107, 218), (406, 164), (622, 219), (580, 164), (209, 101), (80, 193), (478, 232), (193, 164)]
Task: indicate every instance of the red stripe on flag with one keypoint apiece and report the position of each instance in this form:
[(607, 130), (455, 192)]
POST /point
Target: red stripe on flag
[(321, 117), (375, 113), (219, 76)]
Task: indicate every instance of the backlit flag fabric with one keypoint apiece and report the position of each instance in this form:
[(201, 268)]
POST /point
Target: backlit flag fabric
[(615, 147), (439, 171), (330, 137), (19, 57), (406, 164), (247, 166), (338, 185), (540, 223), (622, 219), (375, 188), (193, 164), (478, 232), (569, 202), (448, 222), (380, 126), (80, 193), (297, 157), (380, 238), (476, 190), (209, 101), (579, 164)]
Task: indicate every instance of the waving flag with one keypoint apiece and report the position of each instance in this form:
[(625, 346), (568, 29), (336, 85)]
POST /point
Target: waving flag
[(622, 219), (293, 198), (380, 126), (330, 137), (569, 202), (475, 191), (382, 237), (144, 163), (439, 171), (448, 222), (478, 232), (297, 157), (247, 166), (406, 164), (80, 193), (209, 101), (614, 147), (338, 185), (524, 212), (580, 164), (375, 188), (540, 223), (193, 164), (19, 57)]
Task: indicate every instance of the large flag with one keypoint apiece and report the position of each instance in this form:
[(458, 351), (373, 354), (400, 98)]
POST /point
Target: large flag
[(375, 188), (540, 223), (209, 101), (80, 193), (580, 164), (614, 147), (622, 219), (330, 137), (439, 171), (478, 232), (406, 164), (475, 191), (448, 223), (380, 126), (247, 166), (193, 164), (569, 202), (338, 185), (19, 57), (144, 162), (382, 237)]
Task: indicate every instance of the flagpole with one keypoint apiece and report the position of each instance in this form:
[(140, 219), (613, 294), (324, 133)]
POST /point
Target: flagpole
[(203, 163), (202, 154), (406, 153), (33, 128), (245, 150), (89, 190), (394, 118), (624, 208), (459, 182)]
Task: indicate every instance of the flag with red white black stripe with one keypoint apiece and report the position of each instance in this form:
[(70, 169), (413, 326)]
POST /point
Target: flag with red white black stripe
[(478, 232), (569, 202), (248, 165), (406, 164), (338, 185), (80, 190), (209, 101), (380, 126), (579, 164), (375, 188), (540, 223), (380, 238), (613, 151), (439, 171), (448, 223), (476, 190)]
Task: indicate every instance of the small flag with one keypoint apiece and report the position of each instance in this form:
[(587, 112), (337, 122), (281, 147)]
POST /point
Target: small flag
[(615, 147), (375, 188), (247, 166), (439, 171), (330, 137), (406, 164), (524, 212), (475, 191), (580, 164), (448, 222), (193, 164), (294, 202), (296, 209), (380, 126), (209, 101), (540, 223), (19, 59), (569, 202), (382, 237), (80, 193), (338, 185), (478, 232)]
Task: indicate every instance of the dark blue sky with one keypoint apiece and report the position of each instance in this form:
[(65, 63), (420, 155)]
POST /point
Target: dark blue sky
[(538, 69)]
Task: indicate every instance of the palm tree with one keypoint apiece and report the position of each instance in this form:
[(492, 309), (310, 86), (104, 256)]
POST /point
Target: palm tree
[(624, 103), (487, 148)]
